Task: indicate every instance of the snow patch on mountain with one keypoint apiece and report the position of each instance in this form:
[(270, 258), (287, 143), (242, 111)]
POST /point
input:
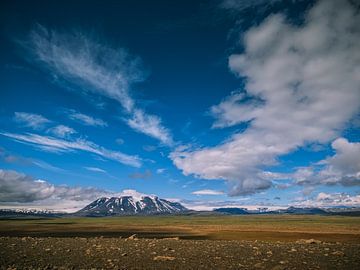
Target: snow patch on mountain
[(131, 202)]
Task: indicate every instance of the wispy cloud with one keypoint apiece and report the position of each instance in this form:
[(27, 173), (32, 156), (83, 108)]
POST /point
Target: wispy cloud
[(302, 86), (62, 131), (208, 192), (149, 148), (17, 159), (150, 125), (101, 69), (95, 169), (243, 5), (86, 119), (48, 143), (32, 120), (139, 175), (160, 171)]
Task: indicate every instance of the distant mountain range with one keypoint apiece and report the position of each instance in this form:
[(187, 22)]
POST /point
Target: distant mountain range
[(153, 205), (129, 205), (303, 211), (232, 211), (291, 210), (28, 212)]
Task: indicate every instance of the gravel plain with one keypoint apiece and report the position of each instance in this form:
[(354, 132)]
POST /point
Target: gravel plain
[(173, 253)]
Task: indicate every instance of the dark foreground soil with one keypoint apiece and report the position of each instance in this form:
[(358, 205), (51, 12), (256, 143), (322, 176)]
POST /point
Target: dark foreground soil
[(119, 253)]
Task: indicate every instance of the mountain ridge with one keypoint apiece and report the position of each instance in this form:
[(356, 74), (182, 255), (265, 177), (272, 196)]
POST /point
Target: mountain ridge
[(131, 205)]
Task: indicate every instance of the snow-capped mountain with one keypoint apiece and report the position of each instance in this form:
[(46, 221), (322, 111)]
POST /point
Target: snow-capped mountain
[(28, 212), (131, 205)]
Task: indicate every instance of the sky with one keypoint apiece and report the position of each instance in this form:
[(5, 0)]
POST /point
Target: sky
[(210, 103)]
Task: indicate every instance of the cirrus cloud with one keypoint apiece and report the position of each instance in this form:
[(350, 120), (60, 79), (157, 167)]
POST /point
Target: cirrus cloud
[(32, 120), (52, 144), (96, 68), (86, 119), (207, 192)]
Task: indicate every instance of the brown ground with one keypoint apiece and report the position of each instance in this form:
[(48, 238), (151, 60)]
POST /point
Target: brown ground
[(214, 242), (120, 253)]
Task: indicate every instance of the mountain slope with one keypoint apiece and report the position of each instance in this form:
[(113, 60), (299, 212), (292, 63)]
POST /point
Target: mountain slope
[(232, 211), (130, 205), (307, 211)]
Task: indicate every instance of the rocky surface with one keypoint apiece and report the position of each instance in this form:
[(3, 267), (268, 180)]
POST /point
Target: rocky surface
[(134, 253)]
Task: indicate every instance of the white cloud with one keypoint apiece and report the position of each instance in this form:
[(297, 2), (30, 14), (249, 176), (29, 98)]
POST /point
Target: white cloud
[(149, 125), (302, 86), (32, 120), (236, 109), (149, 148), (48, 143), (133, 193), (243, 5), (20, 190), (208, 192), (62, 131), (95, 169), (324, 199), (341, 168), (86, 119), (202, 205), (100, 69), (139, 175), (160, 171), (346, 161), (16, 159)]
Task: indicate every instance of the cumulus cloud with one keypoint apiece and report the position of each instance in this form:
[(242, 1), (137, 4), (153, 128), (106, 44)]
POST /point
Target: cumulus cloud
[(235, 109), (86, 119), (244, 202), (132, 193), (341, 168), (100, 69), (22, 188), (62, 131), (52, 144), (324, 199), (17, 189), (302, 86), (208, 192), (346, 161), (32, 120)]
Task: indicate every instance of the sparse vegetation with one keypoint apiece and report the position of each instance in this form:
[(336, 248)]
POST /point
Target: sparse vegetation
[(187, 242), (251, 227)]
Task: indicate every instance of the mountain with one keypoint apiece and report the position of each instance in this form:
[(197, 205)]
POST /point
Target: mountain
[(306, 211), (131, 205), (290, 210), (28, 212), (232, 211)]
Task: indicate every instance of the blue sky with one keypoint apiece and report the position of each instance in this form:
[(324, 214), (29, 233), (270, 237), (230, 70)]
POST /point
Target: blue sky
[(211, 103)]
